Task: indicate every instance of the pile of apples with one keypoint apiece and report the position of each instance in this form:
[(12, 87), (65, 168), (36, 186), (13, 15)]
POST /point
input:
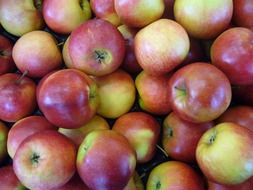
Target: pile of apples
[(126, 94)]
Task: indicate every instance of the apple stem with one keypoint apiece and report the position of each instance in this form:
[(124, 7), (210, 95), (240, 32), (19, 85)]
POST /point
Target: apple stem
[(60, 44), (21, 77), (35, 158), (100, 55), (161, 149), (212, 138), (158, 185)]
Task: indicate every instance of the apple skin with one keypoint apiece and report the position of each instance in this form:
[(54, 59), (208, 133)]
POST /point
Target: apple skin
[(232, 52), (32, 54), (95, 52), (166, 47), (68, 98), (65, 55), (77, 135), (21, 16), (110, 169), (9, 180), (199, 92), (172, 175), (216, 16), (153, 93), (119, 86), (24, 128), (7, 64), (240, 114), (35, 165), (17, 97), (176, 140), (232, 140), (139, 13), (242, 13), (242, 186), (104, 9), (63, 16), (3, 141), (142, 131)]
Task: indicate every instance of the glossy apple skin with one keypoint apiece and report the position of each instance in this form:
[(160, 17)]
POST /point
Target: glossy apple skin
[(139, 13), (3, 141), (17, 97), (7, 64), (242, 13), (24, 128), (9, 180), (180, 137), (32, 54), (104, 9), (95, 52), (35, 160), (153, 95), (243, 94), (240, 114), (63, 16), (172, 175), (110, 169), (243, 186), (199, 92), (232, 140), (119, 86), (142, 132), (216, 16), (77, 135), (20, 16), (68, 98), (161, 46), (65, 55), (232, 52)]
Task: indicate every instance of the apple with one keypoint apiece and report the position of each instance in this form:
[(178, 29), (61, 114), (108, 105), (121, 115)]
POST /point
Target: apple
[(77, 135), (9, 180), (65, 55), (139, 13), (105, 160), (243, 94), (239, 114), (160, 51), (242, 186), (68, 98), (116, 94), (153, 93), (232, 53), (225, 154), (17, 97), (242, 13), (21, 16), (32, 54), (7, 64), (168, 11), (24, 128), (142, 131), (45, 160), (63, 16), (180, 137), (134, 183), (171, 175), (104, 9), (216, 16), (3, 141), (96, 47), (199, 92)]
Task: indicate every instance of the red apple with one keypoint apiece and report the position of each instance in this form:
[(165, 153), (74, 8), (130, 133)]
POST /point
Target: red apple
[(243, 186), (139, 13), (105, 160), (21, 16), (17, 97), (161, 46), (32, 54), (68, 98), (24, 128), (171, 175), (3, 141), (225, 154), (45, 160), (215, 16), (180, 137), (242, 13), (232, 52), (96, 47), (199, 92), (142, 131), (63, 16), (153, 93), (6, 62)]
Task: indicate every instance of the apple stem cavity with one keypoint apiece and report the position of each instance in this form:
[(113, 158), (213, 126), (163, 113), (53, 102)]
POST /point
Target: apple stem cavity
[(38, 4), (181, 90), (35, 158), (212, 138), (21, 77), (100, 55), (158, 185), (162, 150), (1, 52), (81, 4)]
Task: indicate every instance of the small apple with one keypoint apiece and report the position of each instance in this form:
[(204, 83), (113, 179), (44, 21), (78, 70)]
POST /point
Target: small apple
[(242, 186), (3, 141), (242, 13)]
